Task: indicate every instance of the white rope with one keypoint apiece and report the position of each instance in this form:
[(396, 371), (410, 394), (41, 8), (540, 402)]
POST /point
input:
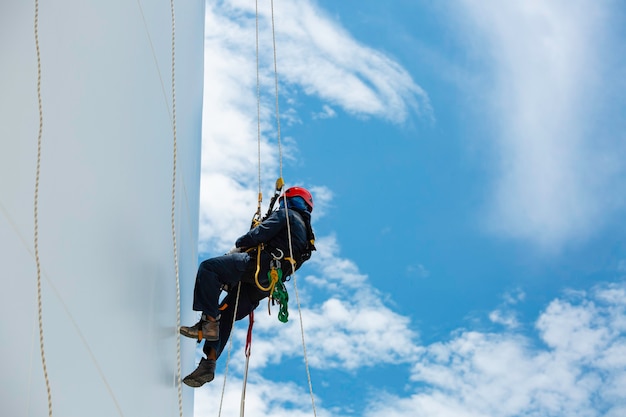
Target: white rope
[(306, 361), (230, 347), (36, 215), (280, 149), (258, 102), (260, 197), (80, 334), (242, 405), (174, 241), (295, 286), (258, 110)]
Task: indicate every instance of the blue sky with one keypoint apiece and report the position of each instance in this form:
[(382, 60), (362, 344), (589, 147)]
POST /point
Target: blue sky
[(467, 163)]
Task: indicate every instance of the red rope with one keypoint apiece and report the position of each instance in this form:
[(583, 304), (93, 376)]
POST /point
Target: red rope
[(249, 336)]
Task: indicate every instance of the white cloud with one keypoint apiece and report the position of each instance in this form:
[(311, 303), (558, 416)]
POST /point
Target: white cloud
[(352, 321), (341, 331), (505, 318), (574, 366), (577, 369), (326, 113), (504, 314), (555, 179), (263, 398), (323, 197), (418, 270), (320, 56), (315, 56), (577, 330), (515, 296)]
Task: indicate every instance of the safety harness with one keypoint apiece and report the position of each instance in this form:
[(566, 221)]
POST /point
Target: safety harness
[(276, 287)]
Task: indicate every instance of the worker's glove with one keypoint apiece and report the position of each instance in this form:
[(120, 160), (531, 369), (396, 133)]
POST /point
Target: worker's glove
[(235, 249)]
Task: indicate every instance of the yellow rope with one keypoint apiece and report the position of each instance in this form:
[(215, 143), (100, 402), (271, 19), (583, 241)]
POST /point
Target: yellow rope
[(173, 219), (36, 215)]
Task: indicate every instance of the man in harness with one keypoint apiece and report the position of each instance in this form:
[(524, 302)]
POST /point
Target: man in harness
[(246, 270)]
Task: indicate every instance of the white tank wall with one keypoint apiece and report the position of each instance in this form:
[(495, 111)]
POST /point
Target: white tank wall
[(105, 242)]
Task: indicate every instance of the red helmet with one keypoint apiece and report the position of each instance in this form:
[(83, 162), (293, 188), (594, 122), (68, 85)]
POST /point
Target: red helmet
[(300, 192)]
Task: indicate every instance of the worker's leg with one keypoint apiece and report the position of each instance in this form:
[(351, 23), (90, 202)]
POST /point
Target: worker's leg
[(212, 274), (248, 301)]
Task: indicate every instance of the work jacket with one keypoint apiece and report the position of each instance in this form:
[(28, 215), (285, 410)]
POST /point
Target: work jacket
[(274, 236)]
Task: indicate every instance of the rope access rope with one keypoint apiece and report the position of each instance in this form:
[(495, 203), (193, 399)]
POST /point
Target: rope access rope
[(257, 216), (36, 245), (258, 110), (230, 347), (293, 266), (36, 215), (280, 157), (173, 219), (306, 361), (248, 350), (258, 212), (36, 211), (280, 150), (295, 286)]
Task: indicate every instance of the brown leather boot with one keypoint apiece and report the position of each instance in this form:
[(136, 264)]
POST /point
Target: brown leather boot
[(205, 372), (204, 329)]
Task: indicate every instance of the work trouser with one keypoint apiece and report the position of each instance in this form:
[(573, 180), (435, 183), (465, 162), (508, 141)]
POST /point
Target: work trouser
[(249, 298), (229, 270)]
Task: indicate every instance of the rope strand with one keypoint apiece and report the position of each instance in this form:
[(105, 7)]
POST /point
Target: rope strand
[(230, 347), (36, 216), (306, 361), (293, 268), (258, 103), (280, 157), (258, 213), (173, 219), (280, 150)]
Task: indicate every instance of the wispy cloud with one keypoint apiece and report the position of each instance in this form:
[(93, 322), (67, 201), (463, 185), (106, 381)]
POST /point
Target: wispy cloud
[(326, 113), (323, 58), (556, 171), (317, 57), (418, 270), (504, 317), (505, 314), (347, 76)]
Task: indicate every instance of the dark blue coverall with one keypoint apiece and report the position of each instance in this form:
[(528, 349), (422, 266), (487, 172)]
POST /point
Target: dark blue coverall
[(238, 269)]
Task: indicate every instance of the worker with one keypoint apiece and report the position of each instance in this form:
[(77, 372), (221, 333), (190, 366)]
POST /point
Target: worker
[(236, 273)]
